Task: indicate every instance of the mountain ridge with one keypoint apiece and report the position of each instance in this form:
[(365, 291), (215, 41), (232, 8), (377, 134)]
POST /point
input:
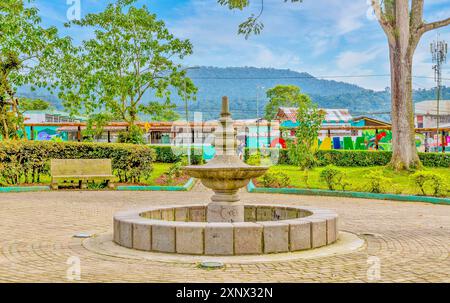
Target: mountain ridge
[(246, 87)]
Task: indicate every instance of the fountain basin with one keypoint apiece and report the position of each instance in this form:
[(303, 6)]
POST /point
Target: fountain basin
[(225, 178), (184, 230)]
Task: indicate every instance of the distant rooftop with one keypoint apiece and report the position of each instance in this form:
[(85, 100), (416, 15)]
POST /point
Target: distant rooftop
[(331, 114), (429, 107), (55, 112)]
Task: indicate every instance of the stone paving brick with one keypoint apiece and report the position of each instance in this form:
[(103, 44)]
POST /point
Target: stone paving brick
[(409, 239)]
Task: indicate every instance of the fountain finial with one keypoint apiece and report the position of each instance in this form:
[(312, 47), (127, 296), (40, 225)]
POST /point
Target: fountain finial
[(225, 108)]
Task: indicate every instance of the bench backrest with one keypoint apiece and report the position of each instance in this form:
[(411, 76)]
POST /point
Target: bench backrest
[(80, 167)]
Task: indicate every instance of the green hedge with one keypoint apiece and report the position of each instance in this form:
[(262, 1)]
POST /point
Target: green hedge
[(363, 158), (171, 154), (27, 161)]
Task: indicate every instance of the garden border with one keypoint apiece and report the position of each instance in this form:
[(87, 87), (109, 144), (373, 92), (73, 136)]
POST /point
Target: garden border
[(18, 189), (186, 187), (251, 188)]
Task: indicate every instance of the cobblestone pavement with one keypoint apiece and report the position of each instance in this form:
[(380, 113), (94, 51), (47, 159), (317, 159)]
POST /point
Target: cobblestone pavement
[(410, 240)]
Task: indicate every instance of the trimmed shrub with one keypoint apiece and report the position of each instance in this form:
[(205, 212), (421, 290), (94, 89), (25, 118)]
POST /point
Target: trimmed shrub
[(377, 181), (28, 160), (424, 179), (275, 180), (364, 158), (171, 154), (333, 177), (254, 160)]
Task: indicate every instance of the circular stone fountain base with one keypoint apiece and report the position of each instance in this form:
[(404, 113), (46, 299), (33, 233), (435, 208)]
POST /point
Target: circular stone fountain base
[(267, 229), (103, 244)]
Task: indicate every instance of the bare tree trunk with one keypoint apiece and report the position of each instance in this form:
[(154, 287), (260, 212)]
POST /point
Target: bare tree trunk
[(404, 152)]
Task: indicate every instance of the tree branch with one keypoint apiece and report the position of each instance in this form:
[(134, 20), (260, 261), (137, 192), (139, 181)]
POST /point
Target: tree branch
[(416, 14), (434, 25), (385, 25)]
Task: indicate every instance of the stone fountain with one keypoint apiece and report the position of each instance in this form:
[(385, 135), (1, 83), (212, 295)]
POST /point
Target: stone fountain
[(226, 174), (225, 226)]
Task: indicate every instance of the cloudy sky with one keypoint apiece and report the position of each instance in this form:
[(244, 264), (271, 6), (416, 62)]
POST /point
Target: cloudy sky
[(323, 37)]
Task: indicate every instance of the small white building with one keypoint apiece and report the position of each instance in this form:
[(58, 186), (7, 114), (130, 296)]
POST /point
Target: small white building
[(426, 113)]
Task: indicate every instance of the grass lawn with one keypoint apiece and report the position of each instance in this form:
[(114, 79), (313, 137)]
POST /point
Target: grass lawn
[(158, 170), (401, 183)]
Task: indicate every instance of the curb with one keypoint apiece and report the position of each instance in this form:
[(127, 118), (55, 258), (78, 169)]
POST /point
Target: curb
[(251, 188), (18, 189), (186, 187)]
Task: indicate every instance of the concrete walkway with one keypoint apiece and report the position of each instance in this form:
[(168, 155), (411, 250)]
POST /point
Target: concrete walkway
[(405, 242)]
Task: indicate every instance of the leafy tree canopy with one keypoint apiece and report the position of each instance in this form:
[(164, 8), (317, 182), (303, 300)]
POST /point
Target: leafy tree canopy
[(132, 56), (284, 96), (34, 104), (28, 55)]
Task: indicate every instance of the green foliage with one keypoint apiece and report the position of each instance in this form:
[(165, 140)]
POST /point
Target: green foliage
[(302, 151), (174, 171), (134, 135), (29, 54), (284, 96), (131, 56), (333, 177), (96, 185), (254, 159), (251, 25), (171, 154), (95, 126), (363, 158), (33, 104), (424, 179), (27, 161), (275, 180), (377, 182), (305, 178)]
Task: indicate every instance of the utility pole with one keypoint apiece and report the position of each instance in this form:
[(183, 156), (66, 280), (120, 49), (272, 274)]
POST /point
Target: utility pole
[(257, 115), (439, 53), (187, 116)]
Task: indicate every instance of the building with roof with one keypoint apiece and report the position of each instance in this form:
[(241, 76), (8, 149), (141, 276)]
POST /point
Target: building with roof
[(425, 113), (50, 116), (48, 132), (333, 117)]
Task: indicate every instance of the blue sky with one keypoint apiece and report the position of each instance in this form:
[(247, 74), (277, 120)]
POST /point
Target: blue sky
[(321, 37)]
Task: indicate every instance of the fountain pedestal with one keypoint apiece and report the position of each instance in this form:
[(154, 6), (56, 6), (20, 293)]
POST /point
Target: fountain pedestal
[(226, 173)]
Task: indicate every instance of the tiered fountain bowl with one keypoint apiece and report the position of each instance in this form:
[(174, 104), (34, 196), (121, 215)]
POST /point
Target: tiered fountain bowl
[(225, 226)]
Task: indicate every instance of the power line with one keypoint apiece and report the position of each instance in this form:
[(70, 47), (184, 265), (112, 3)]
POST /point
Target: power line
[(302, 77)]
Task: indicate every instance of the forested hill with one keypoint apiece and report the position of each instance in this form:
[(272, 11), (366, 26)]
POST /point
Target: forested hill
[(245, 85)]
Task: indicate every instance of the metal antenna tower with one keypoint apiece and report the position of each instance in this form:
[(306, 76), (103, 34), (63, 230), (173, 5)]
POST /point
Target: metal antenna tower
[(439, 53)]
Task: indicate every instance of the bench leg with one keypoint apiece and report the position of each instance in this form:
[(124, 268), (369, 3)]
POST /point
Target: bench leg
[(83, 185), (110, 185)]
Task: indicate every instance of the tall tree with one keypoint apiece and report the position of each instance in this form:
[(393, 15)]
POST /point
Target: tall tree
[(34, 104), (131, 57), (402, 21), (284, 96), (404, 26), (28, 55)]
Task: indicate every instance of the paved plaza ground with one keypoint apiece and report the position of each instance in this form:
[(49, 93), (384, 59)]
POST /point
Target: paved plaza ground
[(411, 240)]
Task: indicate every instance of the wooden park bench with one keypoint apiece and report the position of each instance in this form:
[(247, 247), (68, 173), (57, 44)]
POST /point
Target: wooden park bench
[(81, 170)]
